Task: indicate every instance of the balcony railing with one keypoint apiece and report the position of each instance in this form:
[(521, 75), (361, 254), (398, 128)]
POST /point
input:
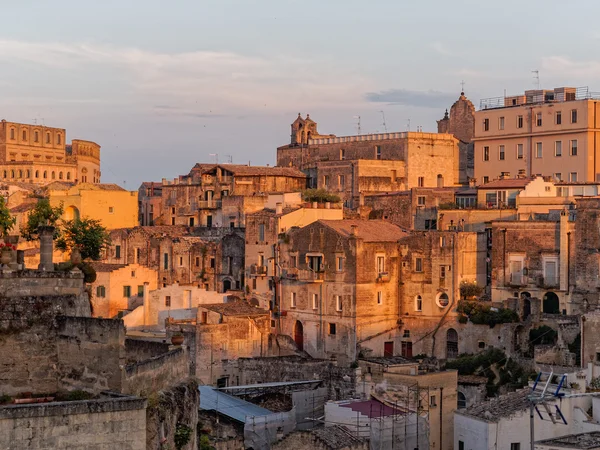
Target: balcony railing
[(257, 270), (516, 279), (310, 276), (209, 204)]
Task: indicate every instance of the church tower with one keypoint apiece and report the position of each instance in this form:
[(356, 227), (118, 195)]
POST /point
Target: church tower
[(303, 130)]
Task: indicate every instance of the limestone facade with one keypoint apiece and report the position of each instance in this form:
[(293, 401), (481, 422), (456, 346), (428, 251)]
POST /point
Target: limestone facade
[(39, 154)]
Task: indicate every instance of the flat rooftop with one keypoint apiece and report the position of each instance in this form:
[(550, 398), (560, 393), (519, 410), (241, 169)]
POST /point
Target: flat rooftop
[(585, 441)]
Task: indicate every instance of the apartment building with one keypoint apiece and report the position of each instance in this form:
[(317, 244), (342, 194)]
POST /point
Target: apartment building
[(548, 132)]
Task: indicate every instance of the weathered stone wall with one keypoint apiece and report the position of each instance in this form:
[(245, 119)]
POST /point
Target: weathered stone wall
[(116, 423), (155, 374), (170, 409), (305, 440), (585, 269)]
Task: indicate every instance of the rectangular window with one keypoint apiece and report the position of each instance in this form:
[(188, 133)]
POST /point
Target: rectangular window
[(519, 151), (212, 262), (204, 318), (574, 116), (558, 148), (315, 301), (261, 232), (117, 251), (519, 121), (292, 299), (418, 264), (558, 118), (501, 123), (538, 150), (181, 261), (332, 329), (126, 291), (574, 147), (486, 124), (168, 301), (442, 272), (515, 446), (342, 154), (406, 334), (486, 180), (141, 291), (538, 119), (432, 401), (111, 210), (421, 181), (342, 182), (378, 152), (573, 177), (197, 261), (166, 261), (486, 153), (338, 303), (419, 303), (461, 445), (380, 264), (380, 297), (421, 200), (339, 265), (558, 176), (501, 153), (326, 181)]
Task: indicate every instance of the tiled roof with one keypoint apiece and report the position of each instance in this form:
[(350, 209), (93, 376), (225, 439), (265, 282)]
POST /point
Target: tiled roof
[(336, 437), (235, 309), (105, 267), (388, 361), (501, 407), (23, 207), (367, 230), (507, 183), (242, 170)]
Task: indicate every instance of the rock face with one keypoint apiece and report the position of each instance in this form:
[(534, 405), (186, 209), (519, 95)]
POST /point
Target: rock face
[(173, 414)]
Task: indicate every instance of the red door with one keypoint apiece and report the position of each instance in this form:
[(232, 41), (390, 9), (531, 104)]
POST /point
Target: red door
[(407, 350), (299, 335), (388, 349)]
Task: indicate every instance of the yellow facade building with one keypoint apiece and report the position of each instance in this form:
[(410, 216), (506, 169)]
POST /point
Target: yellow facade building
[(112, 205), (39, 154)]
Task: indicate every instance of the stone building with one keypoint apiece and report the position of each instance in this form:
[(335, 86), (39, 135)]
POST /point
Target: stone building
[(339, 288), (201, 198), (39, 154), (119, 288), (149, 202), (547, 132), (535, 258), (264, 229), (350, 163), (433, 264), (585, 265)]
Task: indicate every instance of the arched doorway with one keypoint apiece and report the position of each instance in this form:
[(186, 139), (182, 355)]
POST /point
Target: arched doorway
[(526, 307), (451, 343), (71, 213), (226, 285), (299, 335), (440, 181), (551, 304)]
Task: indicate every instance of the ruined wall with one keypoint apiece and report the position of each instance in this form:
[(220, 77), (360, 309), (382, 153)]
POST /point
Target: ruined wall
[(139, 349), (305, 440), (106, 423), (155, 374)]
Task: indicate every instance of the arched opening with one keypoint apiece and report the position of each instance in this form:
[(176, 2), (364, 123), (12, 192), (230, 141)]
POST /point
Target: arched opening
[(440, 180), (461, 400), (37, 173), (68, 175), (60, 175), (525, 294), (299, 335), (45, 174), (71, 213), (418, 303), (226, 285), (53, 175), (451, 343), (551, 304), (526, 307)]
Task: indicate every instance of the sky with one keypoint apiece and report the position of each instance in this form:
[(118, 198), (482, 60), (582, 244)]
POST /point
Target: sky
[(162, 85)]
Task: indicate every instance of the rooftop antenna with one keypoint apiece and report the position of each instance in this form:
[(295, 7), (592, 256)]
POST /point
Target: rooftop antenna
[(229, 159), (34, 121), (357, 124), (384, 124), (216, 155), (547, 387), (408, 125), (536, 78)]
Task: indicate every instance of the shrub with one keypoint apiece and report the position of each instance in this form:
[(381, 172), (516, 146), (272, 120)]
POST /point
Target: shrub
[(319, 195), (183, 434), (482, 314), (468, 289)]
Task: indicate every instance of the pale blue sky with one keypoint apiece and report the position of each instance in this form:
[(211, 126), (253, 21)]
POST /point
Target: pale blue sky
[(161, 85)]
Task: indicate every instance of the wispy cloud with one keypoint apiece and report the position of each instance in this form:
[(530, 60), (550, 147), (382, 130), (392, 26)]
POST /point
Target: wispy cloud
[(197, 80), (425, 99), (440, 48), (567, 67)]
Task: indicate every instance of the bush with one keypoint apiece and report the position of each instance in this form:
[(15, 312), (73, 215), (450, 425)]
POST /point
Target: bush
[(482, 314), (320, 196), (468, 289), (543, 335), (89, 273), (183, 434)]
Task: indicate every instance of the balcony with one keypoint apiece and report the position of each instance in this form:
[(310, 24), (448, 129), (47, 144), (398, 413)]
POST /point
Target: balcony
[(226, 180), (291, 273), (517, 279), (383, 277), (548, 282), (259, 271), (209, 204), (309, 276)]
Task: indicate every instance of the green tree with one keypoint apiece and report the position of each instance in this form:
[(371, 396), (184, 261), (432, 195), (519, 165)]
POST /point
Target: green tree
[(319, 195), (87, 235), (7, 222), (43, 214)]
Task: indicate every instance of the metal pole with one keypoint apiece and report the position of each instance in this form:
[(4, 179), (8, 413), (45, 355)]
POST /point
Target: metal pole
[(531, 430)]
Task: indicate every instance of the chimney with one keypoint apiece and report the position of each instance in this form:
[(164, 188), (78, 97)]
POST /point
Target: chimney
[(353, 230), (504, 175), (278, 208), (164, 181)]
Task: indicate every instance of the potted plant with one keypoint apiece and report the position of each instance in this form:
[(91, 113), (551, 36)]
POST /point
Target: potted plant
[(177, 338), (6, 253)]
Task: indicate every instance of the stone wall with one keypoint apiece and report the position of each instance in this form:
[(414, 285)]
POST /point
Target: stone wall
[(139, 349), (157, 373), (306, 440), (118, 423)]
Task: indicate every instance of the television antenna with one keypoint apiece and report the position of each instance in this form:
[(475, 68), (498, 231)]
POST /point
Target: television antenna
[(384, 124), (536, 77), (357, 124), (543, 391), (216, 155), (408, 125), (229, 159)]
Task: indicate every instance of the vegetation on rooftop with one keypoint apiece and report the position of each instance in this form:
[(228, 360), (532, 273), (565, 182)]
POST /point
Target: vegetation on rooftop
[(319, 196), (484, 314)]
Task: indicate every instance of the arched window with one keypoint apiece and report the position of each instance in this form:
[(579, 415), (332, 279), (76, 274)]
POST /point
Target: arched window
[(451, 343), (47, 138), (53, 175), (45, 174), (418, 303), (28, 173), (24, 135), (12, 173), (68, 175), (36, 136), (58, 139), (20, 174), (442, 300), (461, 401), (5, 175), (60, 175), (12, 134), (37, 173), (440, 180)]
